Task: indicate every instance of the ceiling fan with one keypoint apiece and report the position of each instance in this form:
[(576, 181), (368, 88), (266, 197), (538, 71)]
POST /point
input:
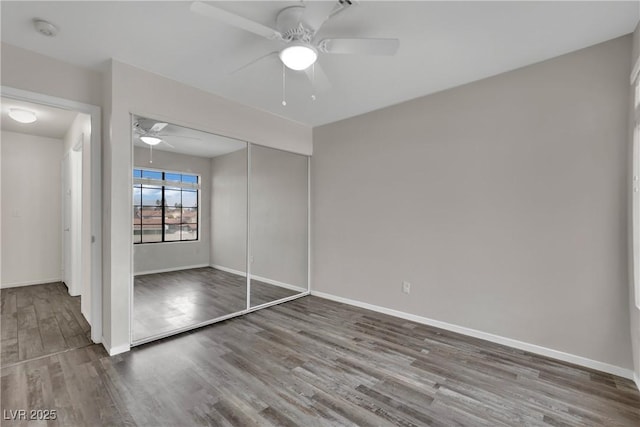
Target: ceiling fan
[(152, 135), (296, 27)]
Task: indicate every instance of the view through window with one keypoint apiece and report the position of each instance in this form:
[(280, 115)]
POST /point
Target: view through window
[(165, 206)]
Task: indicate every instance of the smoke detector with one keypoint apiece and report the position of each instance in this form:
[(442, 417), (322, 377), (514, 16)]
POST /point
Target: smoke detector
[(45, 28)]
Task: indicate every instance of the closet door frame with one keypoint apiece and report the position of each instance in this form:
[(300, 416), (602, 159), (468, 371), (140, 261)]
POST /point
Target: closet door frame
[(247, 308)]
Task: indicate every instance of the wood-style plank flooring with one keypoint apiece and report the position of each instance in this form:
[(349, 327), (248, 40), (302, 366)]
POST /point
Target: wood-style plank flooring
[(313, 362), (38, 320), (165, 302)]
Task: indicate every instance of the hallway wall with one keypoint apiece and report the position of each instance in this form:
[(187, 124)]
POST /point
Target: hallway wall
[(31, 209)]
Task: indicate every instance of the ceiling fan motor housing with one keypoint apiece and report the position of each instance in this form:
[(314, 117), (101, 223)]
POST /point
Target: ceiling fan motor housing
[(291, 25)]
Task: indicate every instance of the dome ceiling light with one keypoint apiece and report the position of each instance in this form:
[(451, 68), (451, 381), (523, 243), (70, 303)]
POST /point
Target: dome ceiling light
[(22, 116)]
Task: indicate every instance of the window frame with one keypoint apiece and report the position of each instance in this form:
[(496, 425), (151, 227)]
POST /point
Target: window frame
[(140, 182)]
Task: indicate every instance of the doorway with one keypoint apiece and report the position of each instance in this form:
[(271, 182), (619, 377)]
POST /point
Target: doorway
[(51, 257)]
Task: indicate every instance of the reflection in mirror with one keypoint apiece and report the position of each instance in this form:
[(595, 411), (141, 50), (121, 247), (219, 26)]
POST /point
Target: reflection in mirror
[(278, 222), (189, 227)]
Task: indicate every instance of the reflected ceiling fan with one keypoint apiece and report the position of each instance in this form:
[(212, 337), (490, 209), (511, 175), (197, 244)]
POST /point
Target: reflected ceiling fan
[(154, 136), (296, 27), (151, 136)]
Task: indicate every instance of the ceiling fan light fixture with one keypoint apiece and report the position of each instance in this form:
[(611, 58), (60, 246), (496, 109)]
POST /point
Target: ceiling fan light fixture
[(151, 140), (22, 116), (298, 56)]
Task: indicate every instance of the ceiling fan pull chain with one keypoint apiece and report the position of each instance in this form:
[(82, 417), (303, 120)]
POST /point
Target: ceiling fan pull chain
[(151, 154), (313, 82), (284, 101)]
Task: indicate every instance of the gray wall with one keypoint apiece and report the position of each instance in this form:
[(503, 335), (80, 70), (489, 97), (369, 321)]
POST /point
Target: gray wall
[(177, 255), (31, 209), (279, 218), (229, 211), (635, 310), (278, 214), (636, 45), (133, 90), (27, 70), (503, 202)]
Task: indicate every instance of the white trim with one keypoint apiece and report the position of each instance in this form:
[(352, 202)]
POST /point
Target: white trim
[(119, 349), (170, 269), (212, 321), (105, 344), (278, 301), (280, 284), (635, 215), (260, 279), (187, 328), (114, 350), (30, 283), (309, 254), (228, 270), (132, 251), (509, 342), (165, 183), (248, 256), (96, 189), (636, 379)]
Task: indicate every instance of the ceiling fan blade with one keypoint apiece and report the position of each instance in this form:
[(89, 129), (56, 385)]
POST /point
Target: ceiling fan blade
[(163, 136), (318, 78), (235, 20), (247, 65), (158, 127), (317, 13), (165, 142), (360, 46)]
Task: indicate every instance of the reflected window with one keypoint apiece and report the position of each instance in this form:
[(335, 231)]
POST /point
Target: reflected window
[(165, 206)]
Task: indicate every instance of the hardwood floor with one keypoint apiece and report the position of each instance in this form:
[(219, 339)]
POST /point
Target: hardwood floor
[(165, 302), (313, 362), (38, 320)]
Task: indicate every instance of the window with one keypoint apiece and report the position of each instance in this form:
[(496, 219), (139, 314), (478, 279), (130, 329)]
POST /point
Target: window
[(165, 206)]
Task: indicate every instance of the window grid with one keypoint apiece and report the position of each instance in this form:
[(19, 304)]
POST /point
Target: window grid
[(161, 212)]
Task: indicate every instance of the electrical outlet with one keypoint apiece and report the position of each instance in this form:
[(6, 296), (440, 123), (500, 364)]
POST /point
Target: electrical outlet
[(406, 287)]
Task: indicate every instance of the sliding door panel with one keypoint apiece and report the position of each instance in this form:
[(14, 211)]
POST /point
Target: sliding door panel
[(189, 228), (278, 223)]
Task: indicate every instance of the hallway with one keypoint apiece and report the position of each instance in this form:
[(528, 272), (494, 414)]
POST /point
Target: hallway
[(40, 320)]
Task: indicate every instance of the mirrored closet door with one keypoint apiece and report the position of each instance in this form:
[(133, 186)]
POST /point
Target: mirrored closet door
[(189, 228), (278, 205)]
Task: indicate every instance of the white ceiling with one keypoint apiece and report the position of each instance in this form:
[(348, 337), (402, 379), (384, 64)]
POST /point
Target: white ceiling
[(52, 122), (442, 45), (180, 139)]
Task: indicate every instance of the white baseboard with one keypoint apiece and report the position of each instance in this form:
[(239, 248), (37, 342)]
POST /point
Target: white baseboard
[(105, 344), (30, 283), (509, 342), (229, 270), (119, 349), (168, 270), (114, 350), (260, 279), (636, 379), (280, 284)]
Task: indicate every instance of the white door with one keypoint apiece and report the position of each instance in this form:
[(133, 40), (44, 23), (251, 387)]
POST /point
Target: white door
[(72, 221), (67, 275)]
